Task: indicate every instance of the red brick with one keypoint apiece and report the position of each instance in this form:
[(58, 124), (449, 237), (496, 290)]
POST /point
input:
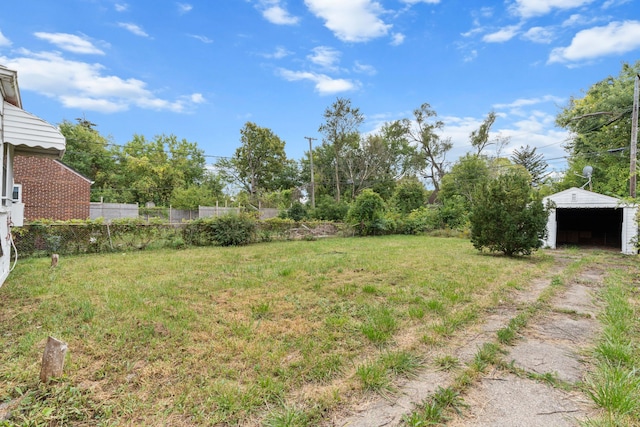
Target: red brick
[(51, 190)]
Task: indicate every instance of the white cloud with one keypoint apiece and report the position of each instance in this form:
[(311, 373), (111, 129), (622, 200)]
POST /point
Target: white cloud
[(525, 102), (184, 8), (324, 84), (573, 20), (133, 28), (274, 12), (615, 38), (473, 31), (121, 7), (358, 67), (279, 53), (503, 35), (4, 41), (86, 86), (539, 35), (471, 55), (536, 129), (325, 57), (611, 3), (577, 19), (531, 8), (351, 21), (203, 39), (70, 42), (277, 15), (397, 39), (197, 98)]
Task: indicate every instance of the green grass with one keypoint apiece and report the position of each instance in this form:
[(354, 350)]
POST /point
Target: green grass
[(614, 384), (435, 410), (272, 333)]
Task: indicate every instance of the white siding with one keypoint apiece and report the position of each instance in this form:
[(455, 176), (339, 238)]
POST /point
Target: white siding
[(552, 228), (629, 230)]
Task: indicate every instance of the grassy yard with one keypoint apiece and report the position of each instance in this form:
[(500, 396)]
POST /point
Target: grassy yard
[(269, 334)]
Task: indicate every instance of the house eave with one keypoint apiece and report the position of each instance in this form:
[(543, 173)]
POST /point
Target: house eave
[(9, 86), (30, 135)]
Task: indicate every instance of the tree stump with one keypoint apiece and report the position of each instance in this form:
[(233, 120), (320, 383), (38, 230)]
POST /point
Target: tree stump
[(52, 359)]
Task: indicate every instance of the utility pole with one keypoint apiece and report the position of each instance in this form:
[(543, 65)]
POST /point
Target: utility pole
[(634, 139), (313, 183)]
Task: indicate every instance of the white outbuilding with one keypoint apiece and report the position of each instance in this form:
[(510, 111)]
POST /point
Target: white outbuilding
[(585, 218)]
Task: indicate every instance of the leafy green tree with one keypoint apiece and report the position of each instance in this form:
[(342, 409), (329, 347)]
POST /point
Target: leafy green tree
[(89, 153), (374, 161), (367, 213), (151, 170), (508, 216), (600, 125), (191, 197), (423, 132), (480, 137), (533, 162), (465, 176), (340, 129), (259, 163)]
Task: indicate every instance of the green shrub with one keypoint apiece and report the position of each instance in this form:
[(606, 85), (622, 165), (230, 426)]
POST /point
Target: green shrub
[(328, 209), (367, 214), (226, 230), (508, 217), (409, 195), (453, 213), (420, 220), (297, 211)]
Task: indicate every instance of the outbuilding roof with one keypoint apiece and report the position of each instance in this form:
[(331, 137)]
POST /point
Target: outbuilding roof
[(578, 198)]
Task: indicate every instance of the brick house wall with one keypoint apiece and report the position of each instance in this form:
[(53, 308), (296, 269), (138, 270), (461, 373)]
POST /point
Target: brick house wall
[(51, 190)]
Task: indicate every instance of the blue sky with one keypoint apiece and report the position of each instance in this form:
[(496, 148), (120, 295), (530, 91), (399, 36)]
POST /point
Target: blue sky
[(200, 69)]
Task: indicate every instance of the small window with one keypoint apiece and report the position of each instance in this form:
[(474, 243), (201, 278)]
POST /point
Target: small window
[(17, 193)]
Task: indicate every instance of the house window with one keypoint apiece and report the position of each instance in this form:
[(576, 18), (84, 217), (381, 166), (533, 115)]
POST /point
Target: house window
[(17, 193)]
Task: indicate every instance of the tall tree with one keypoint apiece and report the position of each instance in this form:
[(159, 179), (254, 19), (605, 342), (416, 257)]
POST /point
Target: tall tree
[(423, 132), (151, 170), (259, 162), (89, 153), (340, 128), (375, 161), (533, 162), (480, 137), (468, 173), (600, 126)]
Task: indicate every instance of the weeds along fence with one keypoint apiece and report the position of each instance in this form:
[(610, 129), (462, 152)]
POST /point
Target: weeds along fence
[(37, 240)]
